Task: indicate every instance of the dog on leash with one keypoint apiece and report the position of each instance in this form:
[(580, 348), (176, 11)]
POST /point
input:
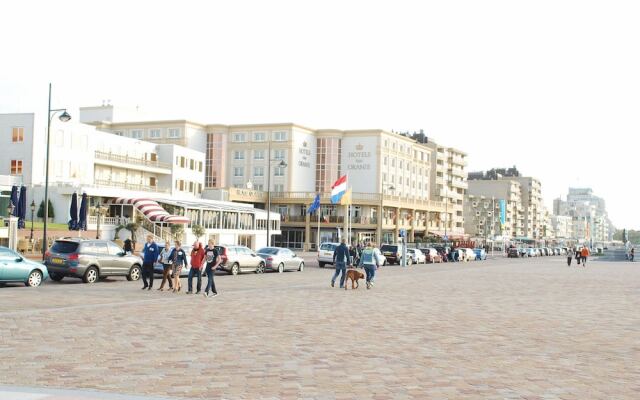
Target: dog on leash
[(354, 275)]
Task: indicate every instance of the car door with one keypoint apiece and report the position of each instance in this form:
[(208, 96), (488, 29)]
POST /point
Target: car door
[(252, 259), (119, 264), (287, 258), (105, 262), (10, 269)]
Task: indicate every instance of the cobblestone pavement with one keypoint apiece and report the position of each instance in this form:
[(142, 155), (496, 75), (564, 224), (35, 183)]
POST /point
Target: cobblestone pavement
[(500, 329)]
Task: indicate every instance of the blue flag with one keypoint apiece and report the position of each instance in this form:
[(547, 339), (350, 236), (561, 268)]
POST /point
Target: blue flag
[(315, 205)]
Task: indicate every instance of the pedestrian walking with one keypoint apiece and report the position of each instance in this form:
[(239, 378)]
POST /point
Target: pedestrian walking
[(370, 260), (578, 255), (197, 257), (341, 258), (632, 254), (128, 246), (569, 256), (584, 253), (212, 260), (165, 259), (178, 261), (150, 256), (353, 252)]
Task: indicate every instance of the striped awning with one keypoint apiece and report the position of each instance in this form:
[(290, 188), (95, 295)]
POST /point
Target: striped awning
[(151, 209)]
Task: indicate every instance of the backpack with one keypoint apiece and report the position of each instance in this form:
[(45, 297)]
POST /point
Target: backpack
[(367, 257)]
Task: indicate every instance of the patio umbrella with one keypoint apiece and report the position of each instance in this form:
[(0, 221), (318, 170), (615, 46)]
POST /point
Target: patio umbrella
[(14, 200), (22, 214), (73, 212), (82, 218)]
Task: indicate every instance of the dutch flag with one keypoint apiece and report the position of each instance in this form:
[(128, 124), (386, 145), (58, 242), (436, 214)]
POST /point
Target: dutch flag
[(338, 189)]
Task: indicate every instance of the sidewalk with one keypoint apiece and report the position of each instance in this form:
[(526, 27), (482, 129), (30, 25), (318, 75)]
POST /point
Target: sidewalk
[(23, 393)]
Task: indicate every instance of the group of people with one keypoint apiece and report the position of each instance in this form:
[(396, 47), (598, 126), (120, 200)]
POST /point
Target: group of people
[(367, 257), (580, 254), (174, 259)]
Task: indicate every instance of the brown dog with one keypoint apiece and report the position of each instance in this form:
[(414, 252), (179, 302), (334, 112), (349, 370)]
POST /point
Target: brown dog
[(354, 275)]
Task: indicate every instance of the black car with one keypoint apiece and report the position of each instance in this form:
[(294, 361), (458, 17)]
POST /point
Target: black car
[(513, 253), (393, 253)]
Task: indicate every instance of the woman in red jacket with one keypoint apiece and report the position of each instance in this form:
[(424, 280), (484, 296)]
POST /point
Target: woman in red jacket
[(197, 256)]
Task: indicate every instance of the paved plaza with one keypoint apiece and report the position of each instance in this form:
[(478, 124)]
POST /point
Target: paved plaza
[(499, 329)]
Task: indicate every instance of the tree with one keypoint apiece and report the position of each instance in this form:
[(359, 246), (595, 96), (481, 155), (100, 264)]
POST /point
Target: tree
[(133, 228), (634, 236), (177, 230), (50, 212), (198, 231)]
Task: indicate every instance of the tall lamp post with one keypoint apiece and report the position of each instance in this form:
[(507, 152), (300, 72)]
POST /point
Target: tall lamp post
[(33, 209), (64, 117), (281, 164), (391, 188), (99, 211), (10, 208)]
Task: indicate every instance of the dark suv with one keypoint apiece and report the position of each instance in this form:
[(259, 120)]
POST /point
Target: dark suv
[(90, 259), (393, 253)]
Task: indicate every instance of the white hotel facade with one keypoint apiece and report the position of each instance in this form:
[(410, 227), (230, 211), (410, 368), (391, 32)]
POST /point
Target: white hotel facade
[(117, 171), (418, 187)]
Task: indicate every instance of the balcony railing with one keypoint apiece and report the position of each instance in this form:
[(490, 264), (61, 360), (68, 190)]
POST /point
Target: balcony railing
[(102, 155), (93, 220), (129, 186)]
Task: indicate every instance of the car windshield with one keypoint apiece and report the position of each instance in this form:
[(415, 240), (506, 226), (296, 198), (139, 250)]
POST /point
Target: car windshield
[(328, 246), (61, 246), (268, 250)]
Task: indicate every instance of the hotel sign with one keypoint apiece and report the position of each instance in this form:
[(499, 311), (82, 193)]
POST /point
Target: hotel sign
[(305, 155), (359, 159)]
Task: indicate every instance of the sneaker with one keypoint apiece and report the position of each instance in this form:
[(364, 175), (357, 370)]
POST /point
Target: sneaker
[(205, 294), (368, 285), (213, 294), (144, 287), (149, 288), (189, 292), (333, 283), (371, 283), (198, 292)]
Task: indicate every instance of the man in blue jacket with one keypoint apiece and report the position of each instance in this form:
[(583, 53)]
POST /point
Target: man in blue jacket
[(341, 259), (150, 254)]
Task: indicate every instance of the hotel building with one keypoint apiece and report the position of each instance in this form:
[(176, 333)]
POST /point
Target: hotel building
[(397, 182)]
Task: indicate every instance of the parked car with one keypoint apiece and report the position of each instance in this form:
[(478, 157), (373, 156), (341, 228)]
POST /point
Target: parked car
[(325, 253), (15, 268), (393, 253), (416, 256), (237, 259), (512, 252), (470, 255), (481, 254), (431, 255), (280, 259), (90, 260), (158, 268), (443, 252), (531, 252)]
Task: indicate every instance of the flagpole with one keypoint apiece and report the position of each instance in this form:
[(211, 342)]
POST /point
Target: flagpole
[(318, 245)]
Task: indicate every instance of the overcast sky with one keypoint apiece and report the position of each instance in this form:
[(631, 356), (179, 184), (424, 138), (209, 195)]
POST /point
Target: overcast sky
[(552, 87)]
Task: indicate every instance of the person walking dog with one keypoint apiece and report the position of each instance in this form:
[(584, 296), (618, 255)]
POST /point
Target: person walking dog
[(341, 258), (370, 260)]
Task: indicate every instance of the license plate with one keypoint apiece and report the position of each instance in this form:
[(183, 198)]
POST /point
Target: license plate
[(57, 261), (328, 254)]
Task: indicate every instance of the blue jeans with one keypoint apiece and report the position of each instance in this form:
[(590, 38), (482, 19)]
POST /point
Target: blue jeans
[(197, 273), (340, 267), (210, 284), (370, 270)]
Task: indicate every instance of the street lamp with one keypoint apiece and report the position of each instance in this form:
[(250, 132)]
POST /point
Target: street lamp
[(64, 117), (9, 212), (391, 188), (281, 164), (99, 210), (33, 209)]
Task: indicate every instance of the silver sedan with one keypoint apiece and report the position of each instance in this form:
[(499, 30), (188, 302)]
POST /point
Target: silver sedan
[(280, 259)]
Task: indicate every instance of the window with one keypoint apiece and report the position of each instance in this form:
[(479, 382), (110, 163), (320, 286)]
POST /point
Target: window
[(200, 166), (238, 171), (279, 171), (258, 154), (258, 186), (238, 155), (154, 134), (16, 167), (119, 133), (278, 187), (386, 160), (278, 154), (400, 164), (183, 162), (259, 137), (114, 249), (17, 135), (393, 162), (238, 137), (174, 133), (280, 136), (136, 133), (258, 172)]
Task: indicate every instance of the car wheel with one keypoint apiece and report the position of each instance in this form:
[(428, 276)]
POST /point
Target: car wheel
[(34, 279), (56, 277), (280, 268), (301, 267), (260, 268), (320, 264), (235, 269), (91, 275), (134, 273)]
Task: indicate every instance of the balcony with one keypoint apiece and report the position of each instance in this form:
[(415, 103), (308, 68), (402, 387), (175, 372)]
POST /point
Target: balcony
[(10, 180), (127, 162), (129, 186), (458, 160), (460, 184)]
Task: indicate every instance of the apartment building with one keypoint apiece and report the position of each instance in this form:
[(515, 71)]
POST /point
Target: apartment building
[(397, 182), (488, 204), (589, 215)]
